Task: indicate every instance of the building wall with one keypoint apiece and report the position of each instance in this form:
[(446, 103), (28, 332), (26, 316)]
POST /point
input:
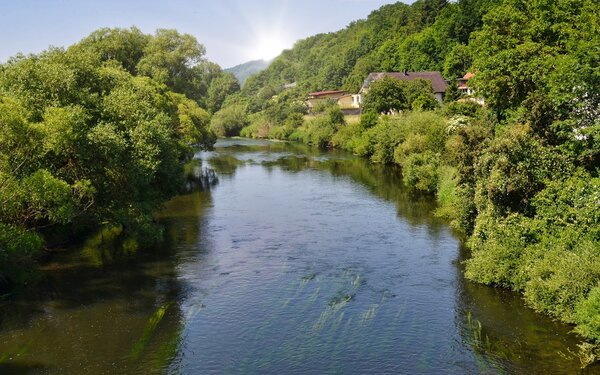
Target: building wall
[(346, 102), (313, 102)]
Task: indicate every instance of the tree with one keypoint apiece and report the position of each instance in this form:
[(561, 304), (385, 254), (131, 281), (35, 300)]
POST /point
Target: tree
[(84, 142), (229, 121), (386, 95), (170, 58), (390, 94), (123, 45), (457, 62), (221, 87)]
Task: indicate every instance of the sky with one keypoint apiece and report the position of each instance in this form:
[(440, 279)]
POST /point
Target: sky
[(233, 31)]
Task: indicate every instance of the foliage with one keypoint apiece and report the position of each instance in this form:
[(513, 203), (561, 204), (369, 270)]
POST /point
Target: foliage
[(229, 121), (221, 87), (519, 176), (174, 59), (389, 95), (84, 141), (420, 171), (385, 96), (588, 314)]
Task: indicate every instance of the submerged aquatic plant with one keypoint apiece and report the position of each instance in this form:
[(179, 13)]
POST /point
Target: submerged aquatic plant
[(153, 322)]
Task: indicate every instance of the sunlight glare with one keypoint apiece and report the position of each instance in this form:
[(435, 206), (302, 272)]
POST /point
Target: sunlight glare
[(269, 46)]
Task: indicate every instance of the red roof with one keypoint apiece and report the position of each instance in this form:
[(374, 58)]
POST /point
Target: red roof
[(469, 75), (325, 93)]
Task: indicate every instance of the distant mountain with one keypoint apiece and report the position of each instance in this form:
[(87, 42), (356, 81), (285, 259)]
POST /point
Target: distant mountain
[(245, 70)]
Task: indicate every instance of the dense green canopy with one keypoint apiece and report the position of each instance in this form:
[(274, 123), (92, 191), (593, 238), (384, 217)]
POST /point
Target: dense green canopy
[(97, 133)]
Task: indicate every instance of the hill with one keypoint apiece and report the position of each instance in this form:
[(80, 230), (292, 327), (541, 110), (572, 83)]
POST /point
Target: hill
[(427, 35), (245, 70)]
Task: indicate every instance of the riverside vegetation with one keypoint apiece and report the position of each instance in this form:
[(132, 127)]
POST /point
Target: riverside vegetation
[(98, 133), (518, 177)]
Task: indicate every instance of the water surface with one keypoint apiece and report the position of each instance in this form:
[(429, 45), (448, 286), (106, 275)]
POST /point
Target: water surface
[(295, 261)]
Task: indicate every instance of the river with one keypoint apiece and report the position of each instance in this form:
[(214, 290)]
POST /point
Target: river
[(295, 261)]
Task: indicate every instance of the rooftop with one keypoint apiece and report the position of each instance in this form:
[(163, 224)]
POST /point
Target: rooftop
[(437, 81), (325, 93)]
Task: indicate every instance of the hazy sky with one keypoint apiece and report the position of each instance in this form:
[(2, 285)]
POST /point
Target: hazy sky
[(233, 31)]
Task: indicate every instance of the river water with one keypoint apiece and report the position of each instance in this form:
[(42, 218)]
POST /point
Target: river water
[(295, 261)]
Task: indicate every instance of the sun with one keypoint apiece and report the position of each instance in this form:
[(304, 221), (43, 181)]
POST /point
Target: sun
[(268, 46)]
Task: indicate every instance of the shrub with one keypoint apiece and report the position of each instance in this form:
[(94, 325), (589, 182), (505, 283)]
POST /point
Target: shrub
[(229, 121), (425, 102), (497, 250), (280, 132), (562, 270), (347, 136), (386, 136), (446, 194), (587, 315), (420, 171), (368, 119), (469, 109), (336, 116), (18, 252), (414, 144)]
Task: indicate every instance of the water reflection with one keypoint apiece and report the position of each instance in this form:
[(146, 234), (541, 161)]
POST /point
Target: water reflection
[(297, 261), (91, 313)]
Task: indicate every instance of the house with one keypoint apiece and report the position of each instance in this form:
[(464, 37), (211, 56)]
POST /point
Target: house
[(350, 104), (437, 81), (350, 101), (316, 98), (468, 91), (463, 87)]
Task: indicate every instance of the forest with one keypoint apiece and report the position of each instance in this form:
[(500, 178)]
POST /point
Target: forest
[(518, 177)]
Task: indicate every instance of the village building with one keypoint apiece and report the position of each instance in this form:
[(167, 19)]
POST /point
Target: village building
[(467, 91), (463, 87), (322, 97), (437, 81), (350, 104)]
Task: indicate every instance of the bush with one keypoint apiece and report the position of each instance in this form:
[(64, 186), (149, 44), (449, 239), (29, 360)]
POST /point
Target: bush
[(469, 109), (229, 121), (413, 144), (385, 137), (347, 136), (553, 257), (259, 127), (280, 132), (497, 247), (18, 252), (336, 116), (320, 133), (425, 102), (562, 269), (587, 315), (447, 194), (420, 171), (368, 119), (317, 131), (514, 168)]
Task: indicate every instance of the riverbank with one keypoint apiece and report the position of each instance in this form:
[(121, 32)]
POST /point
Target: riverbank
[(360, 277), (528, 207)]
